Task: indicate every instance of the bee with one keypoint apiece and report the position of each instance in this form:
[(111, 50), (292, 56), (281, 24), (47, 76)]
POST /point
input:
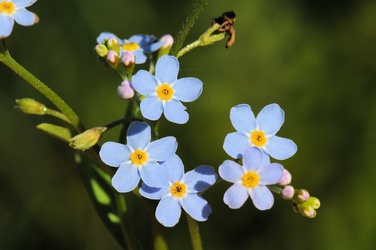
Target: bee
[(227, 20)]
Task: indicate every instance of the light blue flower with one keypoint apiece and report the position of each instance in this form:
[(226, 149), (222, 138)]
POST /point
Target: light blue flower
[(139, 158), (137, 44), (258, 132), (14, 10), (181, 191), (164, 92), (250, 180)]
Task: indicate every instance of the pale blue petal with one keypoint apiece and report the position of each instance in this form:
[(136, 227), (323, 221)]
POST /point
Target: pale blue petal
[(107, 35), (154, 175), (252, 158), (174, 167), (261, 197), (270, 174), (200, 178), (139, 135), (153, 193), (270, 119), (141, 39), (265, 159), (6, 26), (235, 196), (151, 108), (140, 56), (242, 118), (162, 149), (23, 3), (167, 69), (235, 144), (114, 154), (175, 112), (25, 17), (153, 47), (196, 206), (188, 89), (230, 171), (168, 211), (280, 148), (126, 178), (144, 82)]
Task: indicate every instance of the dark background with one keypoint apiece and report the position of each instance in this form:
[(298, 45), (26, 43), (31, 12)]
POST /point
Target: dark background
[(316, 59)]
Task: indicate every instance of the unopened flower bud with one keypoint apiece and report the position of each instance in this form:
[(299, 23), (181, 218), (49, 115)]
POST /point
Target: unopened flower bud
[(30, 106), (113, 44), (128, 59), (288, 192), (301, 195), (112, 59), (168, 40), (87, 139), (307, 211), (125, 90), (286, 178), (101, 50)]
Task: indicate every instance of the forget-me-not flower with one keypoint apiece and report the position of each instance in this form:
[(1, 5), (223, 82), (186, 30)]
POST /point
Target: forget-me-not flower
[(139, 158), (164, 92), (250, 180), (15, 10), (181, 191), (258, 132), (137, 44)]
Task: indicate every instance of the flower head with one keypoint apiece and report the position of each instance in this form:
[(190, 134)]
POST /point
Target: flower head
[(164, 92), (250, 180), (15, 10), (139, 158), (258, 132), (181, 191)]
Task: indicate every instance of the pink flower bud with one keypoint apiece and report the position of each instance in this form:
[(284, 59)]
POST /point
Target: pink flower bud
[(302, 195), (112, 59), (288, 192), (286, 178), (168, 39), (128, 59), (125, 90)]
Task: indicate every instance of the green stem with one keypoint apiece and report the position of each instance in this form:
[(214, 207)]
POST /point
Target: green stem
[(194, 232), (58, 115), (6, 58), (187, 25)]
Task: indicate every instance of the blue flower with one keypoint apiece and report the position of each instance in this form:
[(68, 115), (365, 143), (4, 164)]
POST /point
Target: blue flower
[(250, 180), (139, 158), (137, 44), (164, 92), (181, 191), (14, 10), (258, 132)]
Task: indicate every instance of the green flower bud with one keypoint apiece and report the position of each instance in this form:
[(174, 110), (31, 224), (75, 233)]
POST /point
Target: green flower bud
[(87, 139), (101, 50), (113, 44), (30, 106)]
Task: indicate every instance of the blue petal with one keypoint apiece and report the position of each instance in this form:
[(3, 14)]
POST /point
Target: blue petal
[(6, 26), (270, 119), (188, 89), (152, 192), (140, 56), (114, 154), (235, 144), (162, 149), (153, 47), (151, 108), (242, 118), (144, 82), (126, 178), (262, 197), (142, 39), (197, 207), (167, 69), (107, 35), (270, 174), (174, 167), (252, 158), (200, 178), (139, 134), (25, 17), (175, 112), (23, 3), (235, 196), (154, 175), (230, 171), (280, 148), (168, 211)]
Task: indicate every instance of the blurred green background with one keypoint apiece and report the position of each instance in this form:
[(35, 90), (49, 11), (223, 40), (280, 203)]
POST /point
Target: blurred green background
[(316, 59)]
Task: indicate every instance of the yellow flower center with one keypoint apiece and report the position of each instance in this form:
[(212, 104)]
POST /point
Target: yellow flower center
[(7, 8), (178, 190), (250, 179), (130, 46), (165, 92), (258, 138), (139, 157)]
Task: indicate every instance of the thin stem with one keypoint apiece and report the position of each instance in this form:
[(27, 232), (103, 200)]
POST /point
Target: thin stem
[(194, 232), (58, 115), (187, 25), (6, 58)]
